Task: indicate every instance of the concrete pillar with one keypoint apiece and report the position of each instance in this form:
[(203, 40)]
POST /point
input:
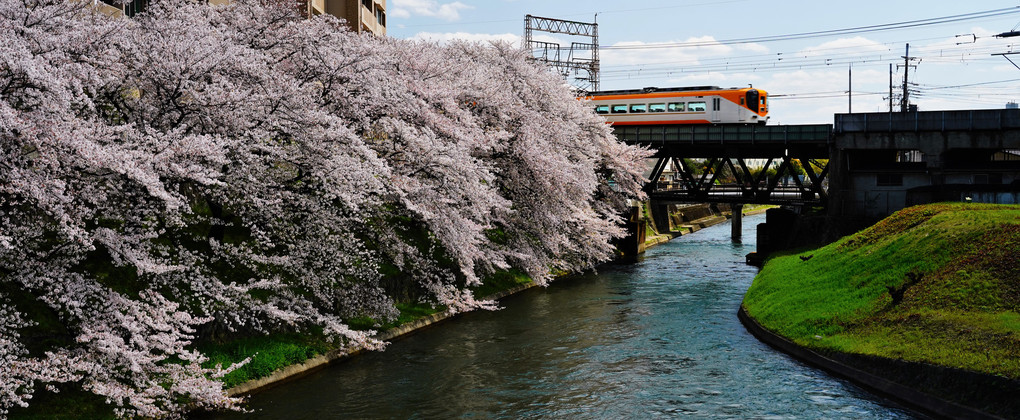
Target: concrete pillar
[(631, 245), (839, 181), (736, 221), (660, 216)]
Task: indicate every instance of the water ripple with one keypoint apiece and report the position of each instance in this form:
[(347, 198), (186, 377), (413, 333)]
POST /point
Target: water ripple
[(656, 339)]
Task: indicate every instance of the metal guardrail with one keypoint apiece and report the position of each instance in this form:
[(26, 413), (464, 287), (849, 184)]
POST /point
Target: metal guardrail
[(723, 133), (984, 119)]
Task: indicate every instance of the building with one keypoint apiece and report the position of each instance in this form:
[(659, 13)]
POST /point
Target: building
[(361, 15)]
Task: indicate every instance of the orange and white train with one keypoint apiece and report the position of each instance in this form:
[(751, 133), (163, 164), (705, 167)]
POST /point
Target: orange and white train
[(682, 105)]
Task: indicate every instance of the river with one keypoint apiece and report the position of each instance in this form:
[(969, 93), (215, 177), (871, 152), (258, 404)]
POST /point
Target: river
[(655, 339)]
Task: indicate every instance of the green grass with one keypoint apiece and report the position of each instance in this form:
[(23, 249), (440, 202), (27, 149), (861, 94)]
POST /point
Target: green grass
[(500, 281), (755, 207), (963, 312), (268, 353), (275, 351)]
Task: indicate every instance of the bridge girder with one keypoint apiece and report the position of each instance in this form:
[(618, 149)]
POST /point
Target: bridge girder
[(733, 148)]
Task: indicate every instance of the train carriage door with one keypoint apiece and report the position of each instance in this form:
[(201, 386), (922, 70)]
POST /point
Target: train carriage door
[(716, 105)]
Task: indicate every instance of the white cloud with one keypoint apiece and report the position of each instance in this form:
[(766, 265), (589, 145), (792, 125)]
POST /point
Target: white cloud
[(444, 37), (791, 102), (844, 46), (664, 64), (429, 8), (752, 47), (714, 78), (638, 52)]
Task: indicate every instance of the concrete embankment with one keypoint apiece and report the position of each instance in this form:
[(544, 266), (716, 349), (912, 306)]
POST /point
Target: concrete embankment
[(896, 379)]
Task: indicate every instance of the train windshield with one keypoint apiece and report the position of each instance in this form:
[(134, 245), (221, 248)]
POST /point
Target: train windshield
[(752, 99)]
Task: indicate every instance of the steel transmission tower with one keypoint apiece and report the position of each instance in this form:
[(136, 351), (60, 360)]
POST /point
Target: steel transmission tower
[(581, 59)]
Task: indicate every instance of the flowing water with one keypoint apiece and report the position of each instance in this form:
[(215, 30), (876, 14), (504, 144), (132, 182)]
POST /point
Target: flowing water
[(655, 339)]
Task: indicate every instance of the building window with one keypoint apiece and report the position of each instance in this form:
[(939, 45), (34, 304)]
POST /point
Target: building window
[(889, 180), (1006, 155), (367, 4), (380, 16), (913, 156), (130, 8)]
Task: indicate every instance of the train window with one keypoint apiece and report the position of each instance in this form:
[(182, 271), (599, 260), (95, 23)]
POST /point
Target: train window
[(619, 109), (696, 106), (675, 107), (602, 109), (656, 107), (639, 108)]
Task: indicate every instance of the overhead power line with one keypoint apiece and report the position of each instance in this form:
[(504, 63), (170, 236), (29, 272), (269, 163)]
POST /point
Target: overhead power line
[(765, 63), (832, 32)]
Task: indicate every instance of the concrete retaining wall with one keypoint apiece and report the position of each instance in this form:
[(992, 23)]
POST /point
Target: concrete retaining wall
[(986, 396)]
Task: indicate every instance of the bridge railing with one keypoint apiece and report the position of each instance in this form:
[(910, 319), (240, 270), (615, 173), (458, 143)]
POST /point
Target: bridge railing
[(984, 119), (723, 133)]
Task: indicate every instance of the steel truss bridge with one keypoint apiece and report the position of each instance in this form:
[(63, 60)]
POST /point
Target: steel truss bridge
[(737, 149)]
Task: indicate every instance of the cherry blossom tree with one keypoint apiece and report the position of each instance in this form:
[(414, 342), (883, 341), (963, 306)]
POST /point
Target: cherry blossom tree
[(207, 170)]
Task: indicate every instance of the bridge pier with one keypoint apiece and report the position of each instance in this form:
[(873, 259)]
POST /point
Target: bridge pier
[(736, 221), (633, 244), (660, 216)]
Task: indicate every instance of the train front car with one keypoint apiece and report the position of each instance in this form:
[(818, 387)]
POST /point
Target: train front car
[(682, 105)]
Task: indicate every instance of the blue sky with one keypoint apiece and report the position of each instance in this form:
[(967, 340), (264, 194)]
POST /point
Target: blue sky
[(808, 77)]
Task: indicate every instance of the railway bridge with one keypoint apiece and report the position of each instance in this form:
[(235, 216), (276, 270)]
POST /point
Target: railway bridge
[(863, 166)]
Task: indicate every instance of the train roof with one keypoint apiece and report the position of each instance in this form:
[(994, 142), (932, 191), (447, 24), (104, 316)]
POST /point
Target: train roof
[(656, 89)]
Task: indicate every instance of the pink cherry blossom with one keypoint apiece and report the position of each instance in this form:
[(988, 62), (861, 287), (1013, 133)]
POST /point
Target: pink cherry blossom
[(239, 169)]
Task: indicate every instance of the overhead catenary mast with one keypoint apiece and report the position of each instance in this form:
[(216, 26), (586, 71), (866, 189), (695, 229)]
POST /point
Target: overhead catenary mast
[(582, 58)]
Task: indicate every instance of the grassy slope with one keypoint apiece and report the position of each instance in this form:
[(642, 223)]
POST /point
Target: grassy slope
[(963, 312)]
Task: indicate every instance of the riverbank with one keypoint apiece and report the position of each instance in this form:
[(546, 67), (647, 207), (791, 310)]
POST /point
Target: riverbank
[(681, 226), (420, 322), (931, 286), (317, 362)]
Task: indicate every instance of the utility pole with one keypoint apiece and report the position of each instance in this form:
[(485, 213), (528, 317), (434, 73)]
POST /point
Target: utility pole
[(850, 89), (890, 87), (905, 100)]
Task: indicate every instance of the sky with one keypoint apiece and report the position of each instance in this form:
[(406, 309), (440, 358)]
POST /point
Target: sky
[(837, 48)]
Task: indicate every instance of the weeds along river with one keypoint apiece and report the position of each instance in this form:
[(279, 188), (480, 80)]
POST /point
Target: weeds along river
[(655, 339)]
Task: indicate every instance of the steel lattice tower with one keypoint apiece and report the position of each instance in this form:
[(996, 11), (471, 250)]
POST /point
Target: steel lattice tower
[(581, 59)]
